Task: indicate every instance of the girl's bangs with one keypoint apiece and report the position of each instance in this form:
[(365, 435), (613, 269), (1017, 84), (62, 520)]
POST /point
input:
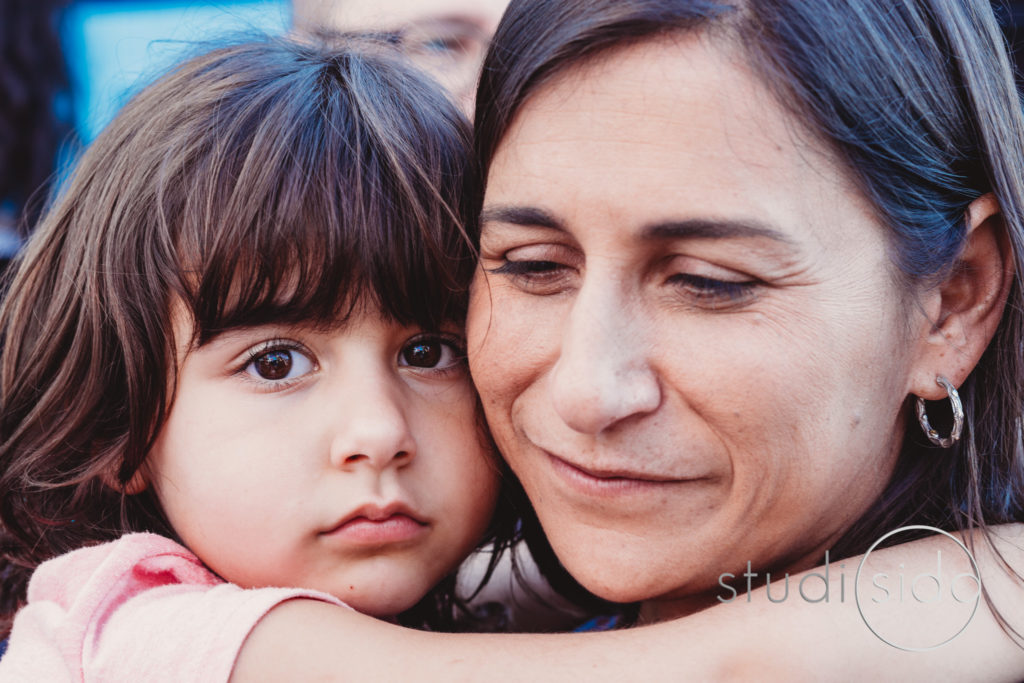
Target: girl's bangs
[(320, 269)]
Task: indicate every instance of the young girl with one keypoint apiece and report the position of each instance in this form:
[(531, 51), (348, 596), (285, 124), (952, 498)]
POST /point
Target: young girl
[(239, 330)]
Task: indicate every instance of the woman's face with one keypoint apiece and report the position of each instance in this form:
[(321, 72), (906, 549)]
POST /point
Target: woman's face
[(686, 329)]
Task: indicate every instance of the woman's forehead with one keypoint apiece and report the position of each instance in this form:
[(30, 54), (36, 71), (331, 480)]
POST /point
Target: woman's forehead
[(667, 130)]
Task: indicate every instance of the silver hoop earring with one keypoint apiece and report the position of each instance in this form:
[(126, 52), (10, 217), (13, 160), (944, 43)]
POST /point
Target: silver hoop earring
[(958, 416)]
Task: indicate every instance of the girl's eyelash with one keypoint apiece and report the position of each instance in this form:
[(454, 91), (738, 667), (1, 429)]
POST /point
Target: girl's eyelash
[(457, 342), (268, 346), (453, 340)]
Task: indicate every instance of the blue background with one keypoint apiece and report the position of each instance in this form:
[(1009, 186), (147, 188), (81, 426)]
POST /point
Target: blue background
[(114, 48)]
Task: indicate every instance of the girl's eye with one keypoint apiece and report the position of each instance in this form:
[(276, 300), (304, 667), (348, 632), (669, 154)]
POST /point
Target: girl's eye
[(278, 364), (431, 353), (711, 292)]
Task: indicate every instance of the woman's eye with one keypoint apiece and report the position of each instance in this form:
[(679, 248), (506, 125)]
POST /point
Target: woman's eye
[(431, 353), (537, 277), (278, 364), (712, 292), (527, 267)]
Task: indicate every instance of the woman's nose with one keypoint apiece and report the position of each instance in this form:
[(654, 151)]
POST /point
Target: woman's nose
[(603, 373), (372, 429)]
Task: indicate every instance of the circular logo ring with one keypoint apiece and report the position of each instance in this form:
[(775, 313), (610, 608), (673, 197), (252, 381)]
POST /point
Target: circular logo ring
[(917, 527)]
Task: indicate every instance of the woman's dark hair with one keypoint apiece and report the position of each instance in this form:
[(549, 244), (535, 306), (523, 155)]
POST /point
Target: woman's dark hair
[(917, 99), (269, 181)]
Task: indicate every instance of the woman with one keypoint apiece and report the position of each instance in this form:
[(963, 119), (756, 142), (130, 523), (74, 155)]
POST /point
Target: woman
[(725, 248)]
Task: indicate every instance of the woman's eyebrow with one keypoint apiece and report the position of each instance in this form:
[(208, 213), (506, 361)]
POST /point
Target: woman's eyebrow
[(712, 228), (521, 215), (688, 228)]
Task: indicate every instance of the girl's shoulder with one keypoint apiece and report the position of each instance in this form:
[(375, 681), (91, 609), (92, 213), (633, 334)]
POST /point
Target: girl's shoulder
[(123, 567), (142, 607)]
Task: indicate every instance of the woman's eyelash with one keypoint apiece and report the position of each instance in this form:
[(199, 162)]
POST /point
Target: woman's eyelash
[(526, 267), (538, 276), (543, 277), (711, 288)]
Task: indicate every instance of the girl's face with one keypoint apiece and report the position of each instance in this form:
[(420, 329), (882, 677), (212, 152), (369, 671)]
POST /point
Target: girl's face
[(348, 461), (685, 331)]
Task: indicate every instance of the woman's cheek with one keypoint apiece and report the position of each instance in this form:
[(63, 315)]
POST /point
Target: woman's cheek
[(510, 336)]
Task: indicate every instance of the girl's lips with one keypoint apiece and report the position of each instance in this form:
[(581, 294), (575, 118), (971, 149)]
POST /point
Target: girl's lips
[(395, 528), (374, 524)]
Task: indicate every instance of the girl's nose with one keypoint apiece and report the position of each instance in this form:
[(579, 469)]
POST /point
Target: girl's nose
[(603, 373), (373, 429)]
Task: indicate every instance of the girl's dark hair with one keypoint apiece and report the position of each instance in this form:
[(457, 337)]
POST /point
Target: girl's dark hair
[(917, 97), (270, 181)]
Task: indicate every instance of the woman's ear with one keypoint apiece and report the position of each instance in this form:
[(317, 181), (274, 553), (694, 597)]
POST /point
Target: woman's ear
[(966, 308)]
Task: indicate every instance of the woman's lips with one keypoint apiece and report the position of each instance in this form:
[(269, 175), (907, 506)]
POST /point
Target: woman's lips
[(610, 482), (377, 525)]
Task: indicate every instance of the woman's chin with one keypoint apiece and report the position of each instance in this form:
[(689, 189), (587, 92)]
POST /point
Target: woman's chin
[(618, 580)]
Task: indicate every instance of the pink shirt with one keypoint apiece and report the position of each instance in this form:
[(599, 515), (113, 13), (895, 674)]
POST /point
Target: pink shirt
[(141, 608)]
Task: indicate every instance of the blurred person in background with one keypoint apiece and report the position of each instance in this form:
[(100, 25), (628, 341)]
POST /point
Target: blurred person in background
[(446, 38)]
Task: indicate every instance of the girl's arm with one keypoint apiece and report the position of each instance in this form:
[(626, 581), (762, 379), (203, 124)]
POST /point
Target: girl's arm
[(762, 639)]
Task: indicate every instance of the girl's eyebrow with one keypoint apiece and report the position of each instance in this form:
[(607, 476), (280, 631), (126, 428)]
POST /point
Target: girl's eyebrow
[(235, 333)]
